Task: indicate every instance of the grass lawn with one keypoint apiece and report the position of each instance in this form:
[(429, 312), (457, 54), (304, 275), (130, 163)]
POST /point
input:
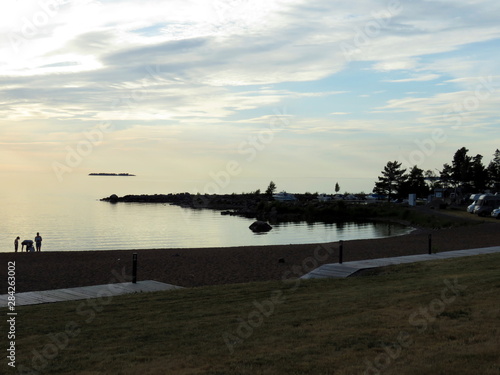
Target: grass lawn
[(439, 317)]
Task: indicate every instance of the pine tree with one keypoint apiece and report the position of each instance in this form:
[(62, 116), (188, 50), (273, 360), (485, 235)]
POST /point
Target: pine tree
[(415, 183), (391, 181), (494, 170), (462, 167), (479, 173), (446, 175)]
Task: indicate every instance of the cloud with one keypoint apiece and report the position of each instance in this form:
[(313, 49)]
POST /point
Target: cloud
[(420, 78), (475, 107), (169, 72)]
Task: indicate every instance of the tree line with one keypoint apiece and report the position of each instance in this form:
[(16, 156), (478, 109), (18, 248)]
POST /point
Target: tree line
[(466, 174)]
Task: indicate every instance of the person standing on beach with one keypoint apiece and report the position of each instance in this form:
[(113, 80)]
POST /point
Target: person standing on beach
[(16, 243), (38, 242)]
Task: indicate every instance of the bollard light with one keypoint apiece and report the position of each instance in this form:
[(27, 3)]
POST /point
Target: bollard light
[(134, 268)]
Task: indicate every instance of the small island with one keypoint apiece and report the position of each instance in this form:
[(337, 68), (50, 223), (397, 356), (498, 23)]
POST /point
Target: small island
[(112, 174)]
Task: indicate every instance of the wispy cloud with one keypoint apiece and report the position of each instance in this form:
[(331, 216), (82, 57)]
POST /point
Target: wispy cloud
[(163, 72), (420, 78)]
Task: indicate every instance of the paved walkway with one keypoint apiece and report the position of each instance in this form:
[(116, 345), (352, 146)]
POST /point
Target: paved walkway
[(346, 269), (95, 291)]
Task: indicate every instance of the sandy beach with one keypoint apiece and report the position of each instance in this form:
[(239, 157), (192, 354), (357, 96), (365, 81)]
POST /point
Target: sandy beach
[(212, 266)]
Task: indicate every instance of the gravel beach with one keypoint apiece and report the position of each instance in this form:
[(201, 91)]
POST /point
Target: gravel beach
[(212, 266)]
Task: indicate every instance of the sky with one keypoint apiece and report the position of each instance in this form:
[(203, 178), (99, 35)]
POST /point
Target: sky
[(225, 96)]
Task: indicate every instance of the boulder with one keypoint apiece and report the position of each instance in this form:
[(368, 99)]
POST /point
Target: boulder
[(260, 226)]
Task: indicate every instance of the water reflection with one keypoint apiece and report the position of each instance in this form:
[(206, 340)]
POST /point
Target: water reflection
[(94, 225), (306, 232)]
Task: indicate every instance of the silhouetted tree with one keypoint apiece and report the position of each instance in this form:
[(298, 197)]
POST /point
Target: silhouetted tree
[(494, 170), (271, 188), (479, 173), (462, 167), (391, 181), (446, 175), (337, 187), (415, 183)]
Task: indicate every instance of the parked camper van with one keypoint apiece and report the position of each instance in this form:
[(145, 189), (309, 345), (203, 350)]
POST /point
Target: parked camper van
[(486, 204), (472, 206)]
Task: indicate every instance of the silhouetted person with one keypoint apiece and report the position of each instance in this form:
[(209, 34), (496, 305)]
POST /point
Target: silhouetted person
[(38, 242), (28, 244), (16, 243)]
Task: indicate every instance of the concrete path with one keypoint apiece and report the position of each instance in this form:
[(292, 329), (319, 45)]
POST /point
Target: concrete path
[(95, 291), (346, 269)]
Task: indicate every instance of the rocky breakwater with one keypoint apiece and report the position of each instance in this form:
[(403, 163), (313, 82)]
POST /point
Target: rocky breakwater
[(240, 204), (182, 199), (257, 206)]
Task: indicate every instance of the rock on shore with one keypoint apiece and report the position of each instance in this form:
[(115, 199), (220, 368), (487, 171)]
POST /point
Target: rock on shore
[(260, 226)]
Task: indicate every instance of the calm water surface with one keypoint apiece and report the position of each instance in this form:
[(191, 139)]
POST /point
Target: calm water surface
[(75, 219)]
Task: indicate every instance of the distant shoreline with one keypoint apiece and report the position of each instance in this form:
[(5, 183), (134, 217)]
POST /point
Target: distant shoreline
[(113, 174)]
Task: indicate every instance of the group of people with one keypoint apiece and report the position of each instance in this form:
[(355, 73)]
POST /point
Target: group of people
[(29, 244)]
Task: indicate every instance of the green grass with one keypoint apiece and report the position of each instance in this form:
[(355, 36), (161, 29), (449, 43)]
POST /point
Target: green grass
[(296, 327)]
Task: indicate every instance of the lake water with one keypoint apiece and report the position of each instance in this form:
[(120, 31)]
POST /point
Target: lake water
[(71, 217)]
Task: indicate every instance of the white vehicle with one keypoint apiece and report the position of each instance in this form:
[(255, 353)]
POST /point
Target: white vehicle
[(486, 204), (472, 206), (496, 213)]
